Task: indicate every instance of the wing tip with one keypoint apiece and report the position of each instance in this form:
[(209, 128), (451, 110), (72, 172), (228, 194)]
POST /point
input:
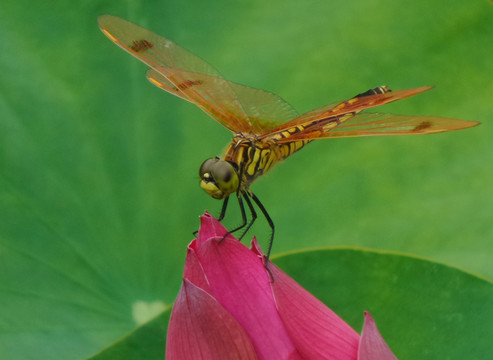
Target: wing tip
[(474, 123), (420, 89), (104, 19), (450, 125)]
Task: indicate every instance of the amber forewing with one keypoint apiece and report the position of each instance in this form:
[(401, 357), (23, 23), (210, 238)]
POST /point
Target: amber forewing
[(180, 72)]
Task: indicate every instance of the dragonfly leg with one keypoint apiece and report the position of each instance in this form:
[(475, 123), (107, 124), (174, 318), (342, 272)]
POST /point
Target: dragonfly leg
[(223, 209), (252, 211), (243, 216), (269, 220)]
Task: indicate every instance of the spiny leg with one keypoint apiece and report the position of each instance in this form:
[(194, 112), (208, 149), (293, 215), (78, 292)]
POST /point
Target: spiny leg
[(252, 211), (269, 220), (223, 209)]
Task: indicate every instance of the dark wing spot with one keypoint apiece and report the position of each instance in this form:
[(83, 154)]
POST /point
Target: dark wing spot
[(189, 83), (424, 125), (141, 45)]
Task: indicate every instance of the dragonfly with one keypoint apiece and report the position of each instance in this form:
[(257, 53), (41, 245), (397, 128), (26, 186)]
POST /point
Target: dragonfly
[(266, 129)]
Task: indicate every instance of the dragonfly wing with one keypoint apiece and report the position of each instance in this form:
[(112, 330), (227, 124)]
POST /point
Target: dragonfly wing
[(351, 106), (264, 110), (180, 72), (378, 124), (176, 65), (161, 82)]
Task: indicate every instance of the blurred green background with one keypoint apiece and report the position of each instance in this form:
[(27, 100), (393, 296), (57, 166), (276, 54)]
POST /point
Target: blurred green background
[(99, 187)]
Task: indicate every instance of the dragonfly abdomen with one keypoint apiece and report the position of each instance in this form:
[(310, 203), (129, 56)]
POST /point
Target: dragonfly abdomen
[(286, 147)]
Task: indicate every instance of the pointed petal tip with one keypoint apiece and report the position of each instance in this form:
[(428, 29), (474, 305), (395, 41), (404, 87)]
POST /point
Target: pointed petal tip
[(206, 218), (372, 346), (255, 247), (210, 227)]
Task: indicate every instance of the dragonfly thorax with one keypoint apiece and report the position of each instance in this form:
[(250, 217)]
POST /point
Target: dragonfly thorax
[(218, 178)]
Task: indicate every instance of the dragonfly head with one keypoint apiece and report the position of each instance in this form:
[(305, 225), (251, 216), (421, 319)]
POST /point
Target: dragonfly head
[(218, 178)]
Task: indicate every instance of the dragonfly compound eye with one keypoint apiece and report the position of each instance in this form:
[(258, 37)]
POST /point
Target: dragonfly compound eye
[(206, 168), (218, 178)]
